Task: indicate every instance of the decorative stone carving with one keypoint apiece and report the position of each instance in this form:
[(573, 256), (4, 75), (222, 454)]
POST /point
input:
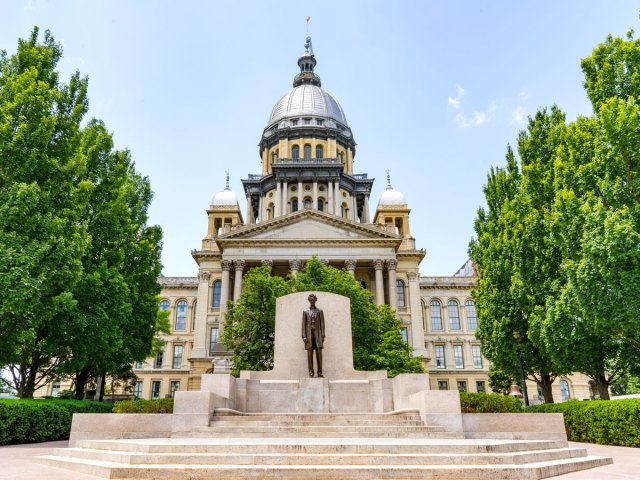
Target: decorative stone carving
[(392, 264), (267, 263), (350, 263), (204, 276), (412, 276), (378, 264), (295, 265), (324, 261), (239, 265), (225, 265)]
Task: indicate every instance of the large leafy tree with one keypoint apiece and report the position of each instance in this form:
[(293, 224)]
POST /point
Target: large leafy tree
[(42, 192), (518, 265), (250, 322)]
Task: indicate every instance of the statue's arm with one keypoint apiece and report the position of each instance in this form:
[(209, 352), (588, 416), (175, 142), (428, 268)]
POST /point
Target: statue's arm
[(322, 324), (304, 333)]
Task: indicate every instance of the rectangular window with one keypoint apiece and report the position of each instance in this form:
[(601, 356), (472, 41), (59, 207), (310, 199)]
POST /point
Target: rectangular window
[(213, 341), (443, 385), (400, 297), (319, 121), (436, 315), (177, 356), (405, 334), (457, 356), (155, 389), (307, 121), (440, 362), (137, 389), (477, 356), (55, 388), (454, 315), (175, 386), (294, 122), (462, 386), (139, 365), (159, 359), (472, 317), (481, 386)]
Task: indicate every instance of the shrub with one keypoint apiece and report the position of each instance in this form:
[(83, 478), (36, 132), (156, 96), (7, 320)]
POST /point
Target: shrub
[(484, 403), (30, 421), (161, 405), (607, 422)]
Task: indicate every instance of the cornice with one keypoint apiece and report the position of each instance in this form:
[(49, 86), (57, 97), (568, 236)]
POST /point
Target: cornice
[(249, 242)]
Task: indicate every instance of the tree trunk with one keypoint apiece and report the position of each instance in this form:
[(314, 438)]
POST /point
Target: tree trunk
[(603, 387), (100, 388), (82, 377), (545, 384), (28, 374)]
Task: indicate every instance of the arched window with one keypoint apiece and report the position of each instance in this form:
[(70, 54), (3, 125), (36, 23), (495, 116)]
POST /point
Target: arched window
[(400, 293), (55, 388), (321, 205), (217, 288), (181, 315), (294, 205), (454, 315), (565, 394), (472, 318), (435, 308), (319, 151), (307, 151), (295, 151), (193, 319), (164, 305)]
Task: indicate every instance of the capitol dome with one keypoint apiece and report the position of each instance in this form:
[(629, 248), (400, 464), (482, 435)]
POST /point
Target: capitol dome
[(307, 100), (225, 198), (390, 196)]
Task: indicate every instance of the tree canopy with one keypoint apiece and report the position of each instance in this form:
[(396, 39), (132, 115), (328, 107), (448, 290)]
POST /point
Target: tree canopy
[(250, 322)]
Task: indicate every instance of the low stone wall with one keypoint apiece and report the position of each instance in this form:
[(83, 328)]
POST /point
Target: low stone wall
[(514, 426), (111, 426)]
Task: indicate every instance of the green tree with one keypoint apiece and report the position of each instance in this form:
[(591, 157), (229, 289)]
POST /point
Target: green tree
[(518, 265), (250, 322), (42, 191)]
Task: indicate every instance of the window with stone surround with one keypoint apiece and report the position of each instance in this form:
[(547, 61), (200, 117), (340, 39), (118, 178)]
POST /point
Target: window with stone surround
[(164, 305), (217, 289), (565, 393), (457, 356), (405, 334), (213, 340), (155, 389), (440, 361), (175, 386), (319, 151), (181, 315), (462, 386), (137, 389), (295, 151), (435, 308), (159, 358), (307, 151), (472, 317), (477, 356), (443, 385), (400, 293), (454, 315), (481, 386), (177, 356)]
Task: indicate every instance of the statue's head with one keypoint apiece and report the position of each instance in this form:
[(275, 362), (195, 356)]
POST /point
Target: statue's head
[(312, 299)]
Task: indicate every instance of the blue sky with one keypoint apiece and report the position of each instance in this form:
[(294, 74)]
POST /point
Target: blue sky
[(433, 91)]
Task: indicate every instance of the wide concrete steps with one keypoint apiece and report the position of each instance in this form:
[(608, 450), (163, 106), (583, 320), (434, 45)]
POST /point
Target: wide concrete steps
[(313, 458)]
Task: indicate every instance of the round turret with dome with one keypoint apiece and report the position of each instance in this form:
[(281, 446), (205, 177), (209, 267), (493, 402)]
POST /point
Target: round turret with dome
[(390, 196)]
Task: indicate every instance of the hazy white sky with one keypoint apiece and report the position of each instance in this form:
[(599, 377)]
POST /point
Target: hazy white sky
[(433, 91)]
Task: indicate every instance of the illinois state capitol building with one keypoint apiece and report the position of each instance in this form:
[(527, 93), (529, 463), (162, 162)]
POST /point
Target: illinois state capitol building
[(306, 201)]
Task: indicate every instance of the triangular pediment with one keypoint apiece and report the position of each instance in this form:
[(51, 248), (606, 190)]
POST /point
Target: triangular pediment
[(309, 225)]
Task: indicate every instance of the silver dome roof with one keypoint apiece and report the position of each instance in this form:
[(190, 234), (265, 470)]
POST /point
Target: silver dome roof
[(307, 99)]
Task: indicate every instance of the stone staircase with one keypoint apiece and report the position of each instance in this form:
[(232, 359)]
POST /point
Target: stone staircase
[(322, 446)]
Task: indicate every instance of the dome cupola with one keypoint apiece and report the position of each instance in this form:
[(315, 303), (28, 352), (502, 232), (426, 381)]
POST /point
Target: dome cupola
[(390, 196), (226, 197)]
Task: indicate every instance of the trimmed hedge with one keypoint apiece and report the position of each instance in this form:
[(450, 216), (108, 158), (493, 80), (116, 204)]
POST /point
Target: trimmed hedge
[(489, 403), (606, 422), (161, 405), (30, 421)]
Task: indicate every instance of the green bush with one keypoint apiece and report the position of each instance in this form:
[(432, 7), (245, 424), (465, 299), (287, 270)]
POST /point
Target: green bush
[(493, 403), (607, 422), (30, 421), (161, 405)]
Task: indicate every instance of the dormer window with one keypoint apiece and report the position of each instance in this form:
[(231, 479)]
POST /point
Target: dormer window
[(307, 121), (319, 121), (294, 122)]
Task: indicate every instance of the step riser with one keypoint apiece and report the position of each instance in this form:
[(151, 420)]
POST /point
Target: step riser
[(310, 433), (319, 417), (311, 429), (320, 448), (307, 459), (277, 423), (412, 472)]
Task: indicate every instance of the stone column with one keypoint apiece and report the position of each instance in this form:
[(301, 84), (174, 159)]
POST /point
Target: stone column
[(261, 215), (417, 321), (224, 288), (365, 210), (249, 209), (336, 196), (278, 205), (285, 197), (200, 330), (391, 272), (295, 265), (354, 208), (330, 197), (237, 287), (315, 194), (350, 264), (378, 265)]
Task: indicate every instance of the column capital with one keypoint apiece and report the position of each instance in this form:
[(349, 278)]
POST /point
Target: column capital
[(295, 265), (412, 276), (239, 265), (204, 276), (267, 263), (378, 264), (392, 264), (225, 265), (350, 264), (324, 262)]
